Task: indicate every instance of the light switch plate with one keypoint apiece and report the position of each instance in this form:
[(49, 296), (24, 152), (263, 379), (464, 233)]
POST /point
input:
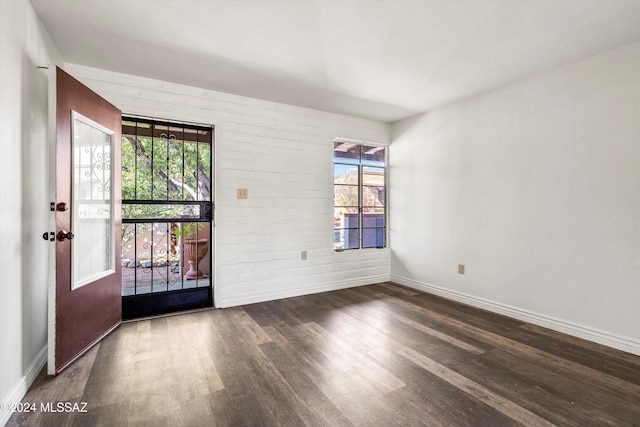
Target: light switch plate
[(460, 268), (243, 193)]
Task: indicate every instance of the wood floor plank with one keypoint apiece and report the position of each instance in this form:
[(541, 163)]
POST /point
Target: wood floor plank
[(614, 366), (251, 329), (616, 384), (590, 346), (476, 390), (437, 400), (400, 289), (379, 355), (388, 323), (318, 408), (576, 401), (477, 317), (365, 366), (397, 344), (444, 337), (382, 315), (47, 389)]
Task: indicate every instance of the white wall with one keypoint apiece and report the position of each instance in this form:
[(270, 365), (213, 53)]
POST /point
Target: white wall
[(283, 155), (24, 45), (535, 187)]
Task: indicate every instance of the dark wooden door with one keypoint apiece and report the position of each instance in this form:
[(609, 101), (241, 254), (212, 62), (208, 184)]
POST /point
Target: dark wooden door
[(85, 303)]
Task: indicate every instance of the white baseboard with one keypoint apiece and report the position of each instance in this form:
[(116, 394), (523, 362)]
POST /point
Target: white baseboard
[(23, 385), (569, 328), (270, 295)]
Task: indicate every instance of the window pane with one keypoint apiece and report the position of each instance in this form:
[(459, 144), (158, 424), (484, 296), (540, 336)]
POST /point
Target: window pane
[(372, 196), (92, 215), (346, 238), (346, 228), (373, 155), (373, 237), (345, 174), (359, 195), (345, 195), (372, 210), (345, 217), (372, 176), (373, 219), (346, 151)]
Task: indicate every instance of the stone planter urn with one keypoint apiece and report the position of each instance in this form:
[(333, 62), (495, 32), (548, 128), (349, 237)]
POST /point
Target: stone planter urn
[(194, 251)]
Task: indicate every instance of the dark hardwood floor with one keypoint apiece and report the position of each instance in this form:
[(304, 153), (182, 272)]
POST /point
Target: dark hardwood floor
[(379, 355)]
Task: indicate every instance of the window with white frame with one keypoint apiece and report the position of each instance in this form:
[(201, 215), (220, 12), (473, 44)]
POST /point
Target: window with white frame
[(359, 210)]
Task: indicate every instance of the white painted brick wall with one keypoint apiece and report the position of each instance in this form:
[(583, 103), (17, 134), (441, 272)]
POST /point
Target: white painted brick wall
[(282, 155)]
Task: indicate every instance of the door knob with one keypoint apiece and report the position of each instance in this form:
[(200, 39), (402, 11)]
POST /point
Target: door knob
[(62, 235)]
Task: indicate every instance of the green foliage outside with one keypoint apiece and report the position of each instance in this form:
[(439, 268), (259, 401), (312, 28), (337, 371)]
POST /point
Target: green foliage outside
[(165, 169)]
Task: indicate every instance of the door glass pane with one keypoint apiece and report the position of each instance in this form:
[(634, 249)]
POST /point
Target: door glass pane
[(92, 219)]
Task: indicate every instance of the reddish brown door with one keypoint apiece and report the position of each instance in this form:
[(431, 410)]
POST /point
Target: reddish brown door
[(85, 301)]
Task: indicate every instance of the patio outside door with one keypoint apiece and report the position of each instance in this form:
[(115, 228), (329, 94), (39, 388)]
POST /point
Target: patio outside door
[(84, 300), (167, 212)]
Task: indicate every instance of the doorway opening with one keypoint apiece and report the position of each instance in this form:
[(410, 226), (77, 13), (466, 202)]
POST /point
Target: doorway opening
[(167, 213)]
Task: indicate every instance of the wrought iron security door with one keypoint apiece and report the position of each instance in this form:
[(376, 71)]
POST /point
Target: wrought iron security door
[(167, 212)]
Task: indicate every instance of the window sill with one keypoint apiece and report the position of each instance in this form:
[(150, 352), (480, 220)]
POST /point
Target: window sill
[(341, 251)]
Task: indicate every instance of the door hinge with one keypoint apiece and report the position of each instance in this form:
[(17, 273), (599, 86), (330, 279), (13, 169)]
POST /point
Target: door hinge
[(49, 235)]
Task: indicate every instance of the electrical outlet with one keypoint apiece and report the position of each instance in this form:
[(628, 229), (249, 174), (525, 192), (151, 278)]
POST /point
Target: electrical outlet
[(243, 193), (303, 255), (460, 268)]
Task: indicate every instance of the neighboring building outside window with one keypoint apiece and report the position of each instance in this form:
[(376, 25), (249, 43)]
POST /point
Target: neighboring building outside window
[(359, 210)]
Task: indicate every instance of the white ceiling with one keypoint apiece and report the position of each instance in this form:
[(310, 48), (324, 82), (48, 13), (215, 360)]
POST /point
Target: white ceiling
[(380, 59)]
